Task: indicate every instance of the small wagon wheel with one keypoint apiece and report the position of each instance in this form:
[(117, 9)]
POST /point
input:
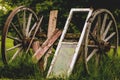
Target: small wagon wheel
[(101, 41), (18, 33)]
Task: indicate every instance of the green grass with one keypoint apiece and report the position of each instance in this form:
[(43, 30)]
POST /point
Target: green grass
[(27, 70), (109, 70)]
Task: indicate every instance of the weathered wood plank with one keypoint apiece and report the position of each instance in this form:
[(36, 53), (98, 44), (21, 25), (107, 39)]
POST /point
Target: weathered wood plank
[(45, 46), (51, 29), (52, 22)]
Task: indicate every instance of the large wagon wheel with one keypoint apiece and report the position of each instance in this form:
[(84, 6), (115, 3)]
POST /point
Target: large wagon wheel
[(101, 41), (18, 33)]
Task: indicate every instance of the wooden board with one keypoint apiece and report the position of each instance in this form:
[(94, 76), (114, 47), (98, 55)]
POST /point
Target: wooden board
[(45, 46), (52, 22)]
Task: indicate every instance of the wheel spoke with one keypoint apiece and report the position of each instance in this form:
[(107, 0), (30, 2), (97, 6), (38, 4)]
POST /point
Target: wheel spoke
[(92, 53), (113, 47), (15, 55), (95, 28), (19, 34), (98, 27), (16, 46), (14, 38), (93, 38), (38, 25), (99, 20), (110, 36), (107, 29), (28, 24), (24, 21), (103, 24), (93, 46), (34, 26), (97, 58)]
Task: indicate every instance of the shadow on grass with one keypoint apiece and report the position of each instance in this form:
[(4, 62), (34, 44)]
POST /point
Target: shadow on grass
[(24, 69), (108, 70)]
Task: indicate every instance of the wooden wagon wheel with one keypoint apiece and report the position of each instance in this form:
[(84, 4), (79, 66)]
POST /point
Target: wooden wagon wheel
[(101, 41), (18, 33)]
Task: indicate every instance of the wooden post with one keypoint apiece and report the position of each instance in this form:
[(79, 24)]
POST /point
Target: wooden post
[(51, 29), (35, 46), (51, 38), (52, 22)]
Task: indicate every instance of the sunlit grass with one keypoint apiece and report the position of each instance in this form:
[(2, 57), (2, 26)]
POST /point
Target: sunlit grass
[(9, 42), (118, 51), (10, 53)]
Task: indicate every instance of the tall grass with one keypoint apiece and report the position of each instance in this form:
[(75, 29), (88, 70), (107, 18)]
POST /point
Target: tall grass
[(27, 70), (109, 70)]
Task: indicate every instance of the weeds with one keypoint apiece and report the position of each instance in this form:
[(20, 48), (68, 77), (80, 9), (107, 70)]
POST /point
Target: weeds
[(109, 70), (27, 70)]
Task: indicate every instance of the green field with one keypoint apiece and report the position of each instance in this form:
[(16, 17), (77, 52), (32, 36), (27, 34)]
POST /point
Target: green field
[(109, 70)]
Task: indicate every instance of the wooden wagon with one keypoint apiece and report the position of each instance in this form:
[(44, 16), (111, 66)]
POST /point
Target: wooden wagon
[(96, 40)]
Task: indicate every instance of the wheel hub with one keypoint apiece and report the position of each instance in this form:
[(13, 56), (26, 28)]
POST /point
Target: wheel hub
[(104, 46), (26, 42)]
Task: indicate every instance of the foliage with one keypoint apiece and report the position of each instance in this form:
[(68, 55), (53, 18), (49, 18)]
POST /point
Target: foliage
[(43, 7), (4, 10)]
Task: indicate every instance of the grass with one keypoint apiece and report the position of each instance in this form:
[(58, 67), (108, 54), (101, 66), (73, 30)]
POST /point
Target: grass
[(27, 70), (109, 70)]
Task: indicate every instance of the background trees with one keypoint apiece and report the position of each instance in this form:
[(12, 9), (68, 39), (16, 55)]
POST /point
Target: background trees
[(43, 7)]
